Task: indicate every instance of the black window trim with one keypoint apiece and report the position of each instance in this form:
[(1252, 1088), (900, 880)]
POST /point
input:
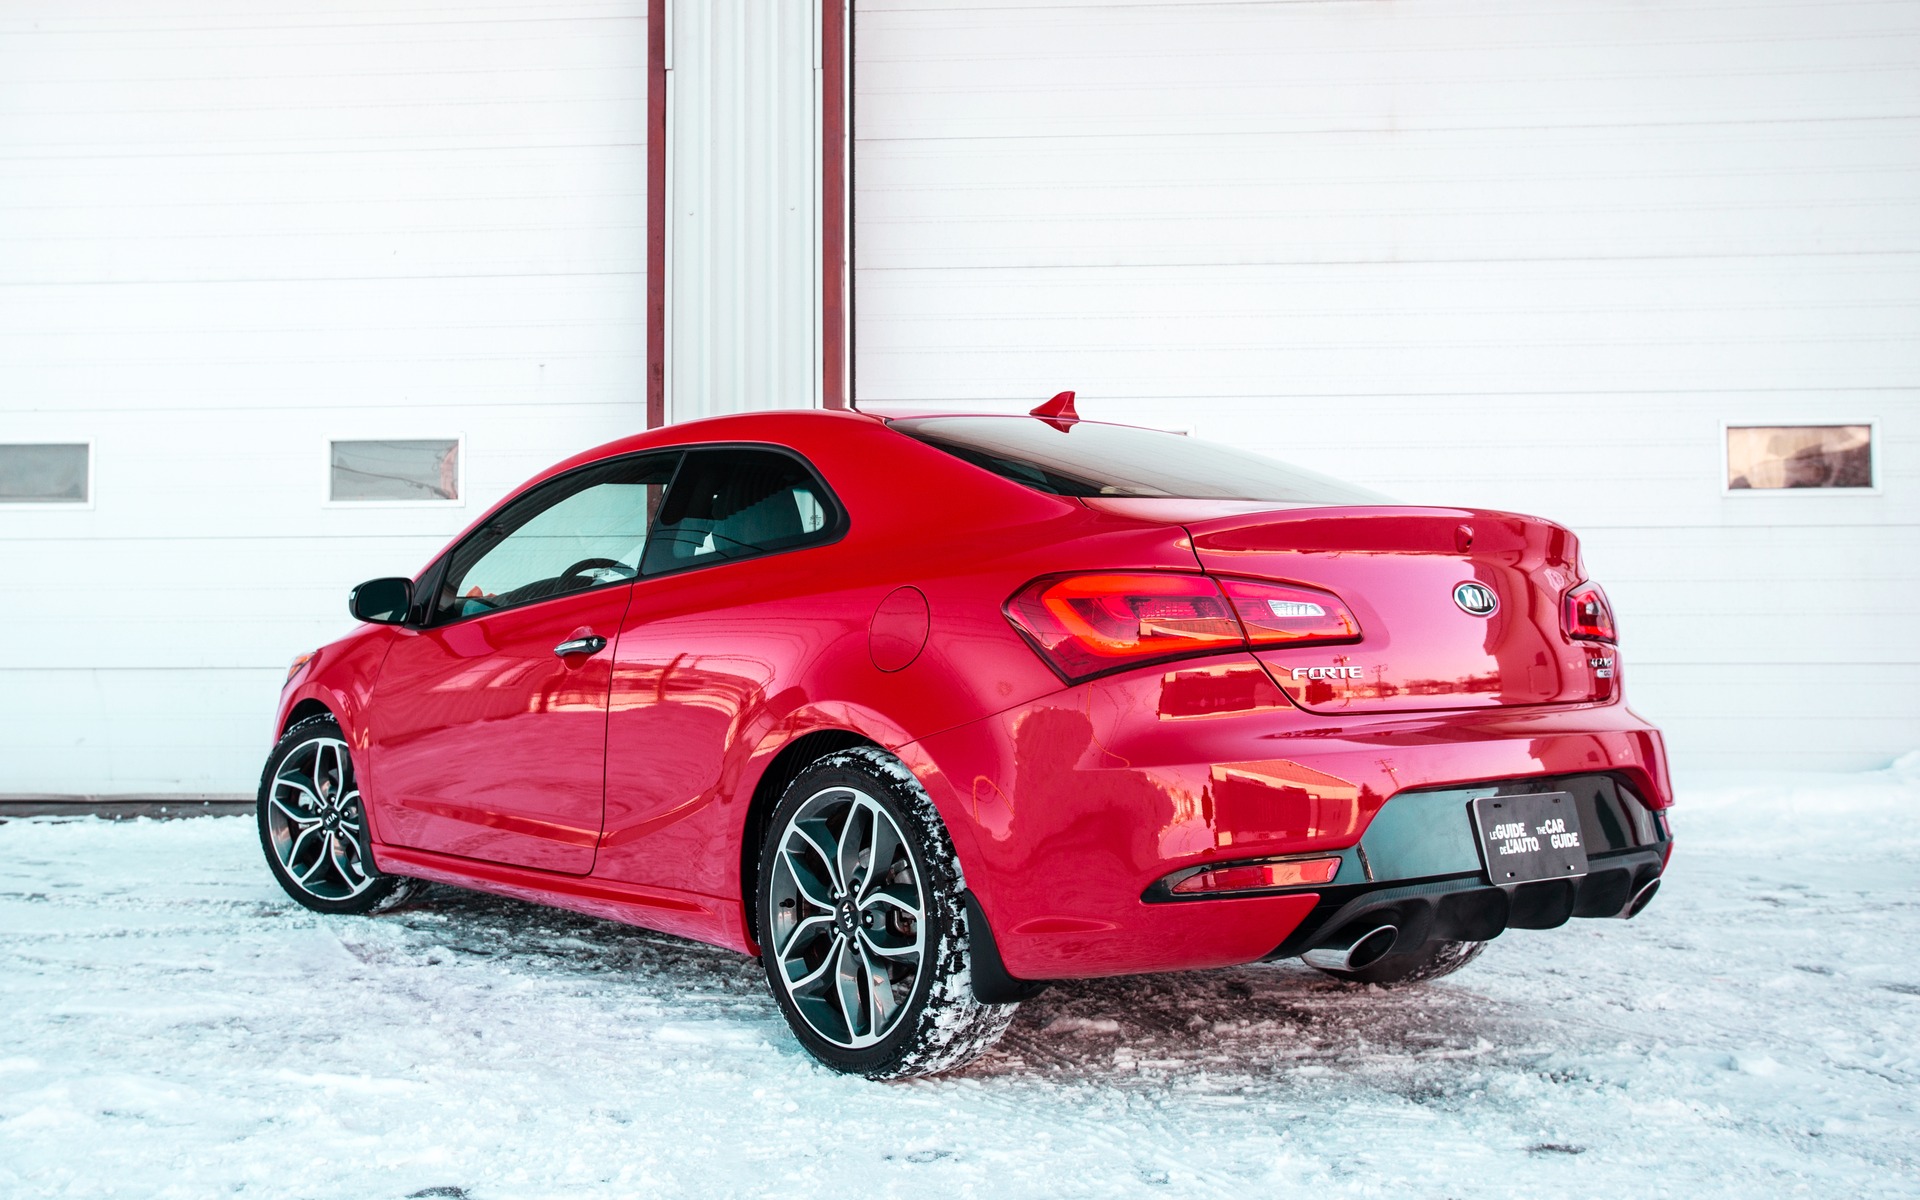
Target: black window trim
[(427, 587)]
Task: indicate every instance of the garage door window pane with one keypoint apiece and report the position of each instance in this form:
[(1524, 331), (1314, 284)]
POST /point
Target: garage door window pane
[(1799, 456), (424, 469), (36, 474)]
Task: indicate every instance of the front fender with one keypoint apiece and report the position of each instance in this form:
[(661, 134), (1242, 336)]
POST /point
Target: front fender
[(340, 678)]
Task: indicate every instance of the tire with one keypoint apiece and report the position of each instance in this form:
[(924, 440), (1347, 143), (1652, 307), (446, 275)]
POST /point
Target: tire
[(313, 828), (867, 987), (1430, 961)]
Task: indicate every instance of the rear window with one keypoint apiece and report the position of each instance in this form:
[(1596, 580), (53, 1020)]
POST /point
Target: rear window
[(1091, 459)]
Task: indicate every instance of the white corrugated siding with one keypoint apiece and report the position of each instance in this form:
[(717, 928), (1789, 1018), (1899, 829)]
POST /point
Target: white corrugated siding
[(232, 229), (1521, 255), (743, 207)]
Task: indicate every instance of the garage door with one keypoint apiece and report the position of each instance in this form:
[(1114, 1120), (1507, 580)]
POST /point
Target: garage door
[(1533, 256), (235, 232)]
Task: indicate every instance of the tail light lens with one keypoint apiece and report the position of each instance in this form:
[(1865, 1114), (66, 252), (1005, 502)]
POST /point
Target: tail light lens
[(1086, 625), (1277, 614), (1587, 615)]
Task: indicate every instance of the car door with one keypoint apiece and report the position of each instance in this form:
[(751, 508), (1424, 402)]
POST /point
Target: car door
[(728, 605), (489, 723)]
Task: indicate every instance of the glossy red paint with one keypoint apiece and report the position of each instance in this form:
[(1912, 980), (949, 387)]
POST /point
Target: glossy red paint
[(1085, 798), (898, 632), (622, 782), (1058, 412), (1417, 655), (487, 745)]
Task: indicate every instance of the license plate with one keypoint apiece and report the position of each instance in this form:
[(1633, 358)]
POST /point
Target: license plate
[(1528, 838)]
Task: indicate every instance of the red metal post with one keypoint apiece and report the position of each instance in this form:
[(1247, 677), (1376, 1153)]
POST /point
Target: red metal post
[(836, 288), (656, 213)]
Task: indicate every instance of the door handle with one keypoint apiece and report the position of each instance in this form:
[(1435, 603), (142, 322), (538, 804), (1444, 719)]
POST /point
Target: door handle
[(585, 645)]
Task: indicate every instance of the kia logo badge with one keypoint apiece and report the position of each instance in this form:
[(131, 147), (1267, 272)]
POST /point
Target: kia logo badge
[(1476, 599)]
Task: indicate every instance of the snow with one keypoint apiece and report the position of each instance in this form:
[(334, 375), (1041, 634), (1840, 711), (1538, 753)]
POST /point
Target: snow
[(175, 1027)]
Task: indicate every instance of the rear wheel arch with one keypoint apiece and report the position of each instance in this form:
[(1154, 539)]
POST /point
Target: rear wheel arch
[(787, 764)]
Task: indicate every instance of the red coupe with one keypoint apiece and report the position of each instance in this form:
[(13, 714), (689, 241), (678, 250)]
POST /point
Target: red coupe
[(927, 711)]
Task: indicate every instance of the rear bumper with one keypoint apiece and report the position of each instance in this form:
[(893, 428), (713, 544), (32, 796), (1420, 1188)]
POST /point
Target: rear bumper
[(1066, 813)]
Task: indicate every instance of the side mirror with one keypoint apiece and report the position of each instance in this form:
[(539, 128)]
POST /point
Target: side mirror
[(381, 601)]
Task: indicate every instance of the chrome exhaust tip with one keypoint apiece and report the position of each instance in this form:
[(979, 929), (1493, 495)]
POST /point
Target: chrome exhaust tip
[(1355, 953), (1640, 899)]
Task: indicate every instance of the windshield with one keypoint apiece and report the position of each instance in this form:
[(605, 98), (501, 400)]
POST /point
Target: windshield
[(1090, 459)]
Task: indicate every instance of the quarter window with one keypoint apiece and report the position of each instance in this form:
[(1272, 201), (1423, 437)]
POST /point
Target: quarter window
[(584, 530), (730, 504)]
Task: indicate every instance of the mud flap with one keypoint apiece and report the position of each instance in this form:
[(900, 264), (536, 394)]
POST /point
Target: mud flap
[(991, 983)]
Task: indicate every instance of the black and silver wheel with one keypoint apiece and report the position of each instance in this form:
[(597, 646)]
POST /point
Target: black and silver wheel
[(1430, 961), (862, 925), (313, 827)]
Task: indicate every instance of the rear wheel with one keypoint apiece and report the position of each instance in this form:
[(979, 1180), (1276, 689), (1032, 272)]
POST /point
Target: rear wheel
[(313, 827), (1430, 961), (863, 926)]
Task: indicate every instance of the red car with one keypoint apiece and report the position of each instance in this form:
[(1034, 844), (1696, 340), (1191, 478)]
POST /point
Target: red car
[(928, 711)]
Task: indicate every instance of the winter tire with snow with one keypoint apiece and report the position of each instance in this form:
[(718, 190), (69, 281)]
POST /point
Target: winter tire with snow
[(863, 925), (313, 827), (1430, 961)]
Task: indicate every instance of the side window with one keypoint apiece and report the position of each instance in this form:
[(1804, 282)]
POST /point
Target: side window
[(584, 530), (731, 504)]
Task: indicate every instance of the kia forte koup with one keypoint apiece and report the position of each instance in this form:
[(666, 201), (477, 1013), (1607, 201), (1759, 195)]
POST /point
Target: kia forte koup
[(928, 711)]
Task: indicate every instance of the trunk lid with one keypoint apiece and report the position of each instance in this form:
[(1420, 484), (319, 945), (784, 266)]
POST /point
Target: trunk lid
[(1398, 570)]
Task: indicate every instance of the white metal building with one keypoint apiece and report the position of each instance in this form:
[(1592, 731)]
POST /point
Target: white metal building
[(1525, 255)]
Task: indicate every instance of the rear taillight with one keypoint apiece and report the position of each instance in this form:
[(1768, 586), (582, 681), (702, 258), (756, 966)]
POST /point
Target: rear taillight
[(1586, 613), (1279, 614), (1086, 625)]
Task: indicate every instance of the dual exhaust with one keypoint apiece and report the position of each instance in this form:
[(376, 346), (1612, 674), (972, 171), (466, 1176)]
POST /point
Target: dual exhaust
[(1359, 951)]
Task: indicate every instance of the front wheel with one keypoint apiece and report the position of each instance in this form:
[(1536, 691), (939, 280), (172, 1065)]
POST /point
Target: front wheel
[(863, 926), (313, 827)]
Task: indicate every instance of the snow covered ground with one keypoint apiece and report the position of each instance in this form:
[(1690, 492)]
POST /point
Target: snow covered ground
[(171, 1025)]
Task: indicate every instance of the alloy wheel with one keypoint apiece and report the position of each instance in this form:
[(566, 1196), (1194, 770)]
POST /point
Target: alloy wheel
[(847, 917), (315, 824)]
